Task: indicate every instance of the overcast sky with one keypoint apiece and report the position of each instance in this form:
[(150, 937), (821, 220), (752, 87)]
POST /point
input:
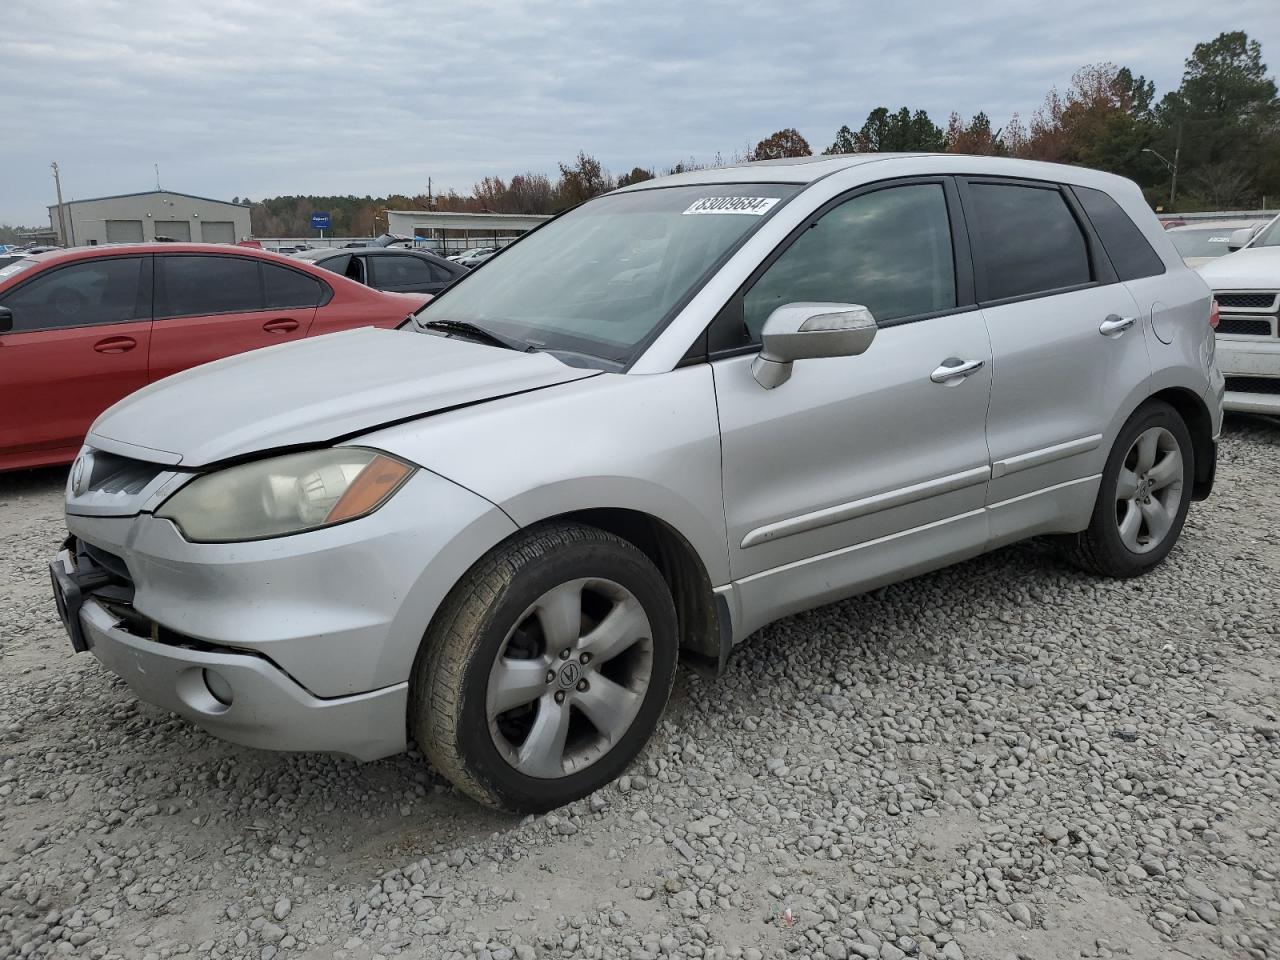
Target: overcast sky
[(256, 98)]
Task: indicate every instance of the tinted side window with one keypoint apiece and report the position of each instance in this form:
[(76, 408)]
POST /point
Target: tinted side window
[(196, 285), (290, 288), (337, 264), (442, 274), (889, 251), (393, 271), (99, 291), (1128, 249), (1031, 242)]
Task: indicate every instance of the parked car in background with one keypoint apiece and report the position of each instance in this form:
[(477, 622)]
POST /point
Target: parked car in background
[(473, 260), (1246, 285), (383, 240), (79, 329), (8, 258), (388, 268), (1202, 241), (495, 530), (470, 253)]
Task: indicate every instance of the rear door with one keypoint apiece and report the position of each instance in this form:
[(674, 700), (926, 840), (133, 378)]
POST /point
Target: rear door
[(79, 343), (214, 306), (1068, 351)]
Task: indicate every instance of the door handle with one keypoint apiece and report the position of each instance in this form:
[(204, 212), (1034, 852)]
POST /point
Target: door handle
[(1114, 325), (954, 369), (282, 325), (115, 345)]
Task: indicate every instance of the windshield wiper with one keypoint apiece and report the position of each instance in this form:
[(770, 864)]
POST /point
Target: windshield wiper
[(476, 332)]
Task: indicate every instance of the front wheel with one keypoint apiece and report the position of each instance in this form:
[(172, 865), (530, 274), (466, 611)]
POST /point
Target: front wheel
[(547, 668), (1143, 498)]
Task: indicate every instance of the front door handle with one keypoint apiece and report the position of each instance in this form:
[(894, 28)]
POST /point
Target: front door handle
[(953, 370), (282, 325), (1114, 325), (115, 345)]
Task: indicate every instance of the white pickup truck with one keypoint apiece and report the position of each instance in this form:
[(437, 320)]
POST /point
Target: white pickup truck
[(1246, 284)]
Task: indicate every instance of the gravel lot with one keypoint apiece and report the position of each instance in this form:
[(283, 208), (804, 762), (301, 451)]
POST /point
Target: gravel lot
[(1004, 759)]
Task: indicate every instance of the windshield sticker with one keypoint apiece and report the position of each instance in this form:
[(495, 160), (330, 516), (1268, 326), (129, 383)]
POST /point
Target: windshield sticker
[(752, 206)]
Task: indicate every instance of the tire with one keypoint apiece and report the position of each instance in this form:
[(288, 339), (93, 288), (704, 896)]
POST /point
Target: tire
[(1121, 544), (502, 635)]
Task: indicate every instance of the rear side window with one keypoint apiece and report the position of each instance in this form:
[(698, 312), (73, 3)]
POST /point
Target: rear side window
[(195, 285), (1127, 248), (1031, 242), (290, 288), (336, 264), (393, 271), (94, 292)]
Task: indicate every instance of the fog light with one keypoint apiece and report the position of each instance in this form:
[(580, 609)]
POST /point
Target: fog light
[(218, 687)]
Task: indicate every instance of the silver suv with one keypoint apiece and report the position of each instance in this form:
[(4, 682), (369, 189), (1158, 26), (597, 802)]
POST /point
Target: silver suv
[(655, 424)]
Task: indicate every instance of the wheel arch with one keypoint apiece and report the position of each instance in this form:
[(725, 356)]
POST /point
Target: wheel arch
[(1195, 414), (703, 616)]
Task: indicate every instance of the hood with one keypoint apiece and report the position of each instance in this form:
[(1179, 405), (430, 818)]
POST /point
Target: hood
[(314, 391), (1253, 268)]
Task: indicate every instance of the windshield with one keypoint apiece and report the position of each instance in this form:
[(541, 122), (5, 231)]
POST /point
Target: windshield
[(1270, 236), (603, 278), (1201, 241)]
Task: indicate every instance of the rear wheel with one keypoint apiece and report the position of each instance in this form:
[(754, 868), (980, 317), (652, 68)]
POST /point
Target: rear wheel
[(1143, 498), (547, 668)]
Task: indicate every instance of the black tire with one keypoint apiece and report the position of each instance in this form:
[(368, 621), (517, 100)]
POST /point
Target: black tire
[(1099, 549), (448, 689)]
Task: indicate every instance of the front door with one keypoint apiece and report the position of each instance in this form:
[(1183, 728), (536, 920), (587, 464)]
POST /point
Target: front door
[(79, 343), (214, 306), (858, 470), (1069, 352)]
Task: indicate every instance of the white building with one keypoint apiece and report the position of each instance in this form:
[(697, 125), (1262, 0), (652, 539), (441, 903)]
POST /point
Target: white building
[(156, 214)]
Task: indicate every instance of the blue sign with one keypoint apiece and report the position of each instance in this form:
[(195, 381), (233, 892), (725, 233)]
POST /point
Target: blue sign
[(319, 221)]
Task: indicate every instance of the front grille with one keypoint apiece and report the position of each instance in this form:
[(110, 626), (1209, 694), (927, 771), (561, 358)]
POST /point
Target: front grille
[(1250, 301), (115, 474), (1245, 326), (1254, 385)]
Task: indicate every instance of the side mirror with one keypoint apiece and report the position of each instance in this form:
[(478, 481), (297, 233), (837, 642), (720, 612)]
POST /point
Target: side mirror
[(6, 319), (805, 331), (1239, 238)]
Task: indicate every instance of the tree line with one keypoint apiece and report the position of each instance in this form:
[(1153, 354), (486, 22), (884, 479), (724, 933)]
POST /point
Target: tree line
[(1221, 126)]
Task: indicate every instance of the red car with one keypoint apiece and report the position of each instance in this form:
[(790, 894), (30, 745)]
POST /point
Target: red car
[(79, 329)]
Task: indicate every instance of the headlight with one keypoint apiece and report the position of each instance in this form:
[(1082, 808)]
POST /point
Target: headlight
[(283, 495)]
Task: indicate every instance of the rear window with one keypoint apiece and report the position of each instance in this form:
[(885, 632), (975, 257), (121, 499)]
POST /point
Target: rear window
[(1126, 247), (1201, 241), (1031, 242)]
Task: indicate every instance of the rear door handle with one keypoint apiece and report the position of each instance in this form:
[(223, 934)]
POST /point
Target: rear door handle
[(282, 325), (115, 345), (1115, 325), (954, 369)]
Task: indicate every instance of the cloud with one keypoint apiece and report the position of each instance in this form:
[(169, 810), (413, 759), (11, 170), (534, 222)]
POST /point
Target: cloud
[(236, 97)]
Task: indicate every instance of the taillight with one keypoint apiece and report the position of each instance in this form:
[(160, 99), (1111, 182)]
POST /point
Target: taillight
[(1213, 314)]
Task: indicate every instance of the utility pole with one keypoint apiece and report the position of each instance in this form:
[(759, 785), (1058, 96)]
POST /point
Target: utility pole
[(1177, 150), (63, 233), (157, 166)]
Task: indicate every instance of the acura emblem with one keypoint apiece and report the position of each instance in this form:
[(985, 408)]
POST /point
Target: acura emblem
[(81, 471)]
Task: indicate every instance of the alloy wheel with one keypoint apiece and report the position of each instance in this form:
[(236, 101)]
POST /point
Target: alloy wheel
[(1149, 490), (569, 678)]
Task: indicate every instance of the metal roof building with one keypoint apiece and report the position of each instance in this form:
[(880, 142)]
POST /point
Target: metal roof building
[(153, 215), (486, 227)]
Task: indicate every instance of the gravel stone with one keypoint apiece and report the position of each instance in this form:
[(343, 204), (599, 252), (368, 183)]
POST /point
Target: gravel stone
[(1003, 758)]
